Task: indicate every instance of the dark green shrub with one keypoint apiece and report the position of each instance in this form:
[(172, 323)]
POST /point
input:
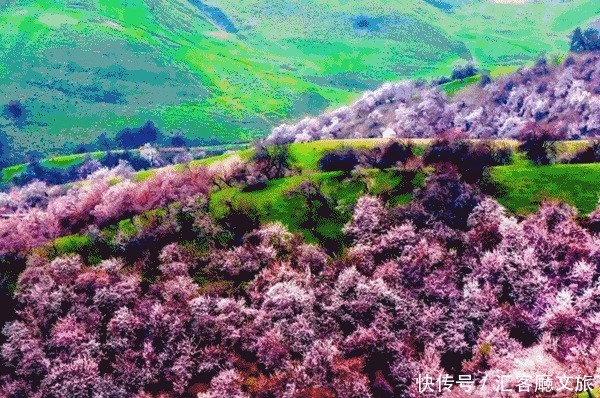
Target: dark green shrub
[(343, 159)]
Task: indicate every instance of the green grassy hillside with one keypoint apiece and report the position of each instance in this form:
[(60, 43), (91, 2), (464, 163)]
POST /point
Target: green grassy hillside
[(276, 202), (521, 187), (81, 69), (233, 70)]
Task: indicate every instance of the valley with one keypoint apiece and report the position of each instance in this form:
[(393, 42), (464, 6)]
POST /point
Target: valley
[(234, 71)]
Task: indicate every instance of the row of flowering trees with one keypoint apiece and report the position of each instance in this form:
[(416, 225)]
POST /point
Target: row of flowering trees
[(565, 96), (447, 284), (36, 214)]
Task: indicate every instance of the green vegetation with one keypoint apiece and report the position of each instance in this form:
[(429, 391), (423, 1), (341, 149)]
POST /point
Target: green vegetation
[(523, 186), (62, 162), (143, 175), (8, 173), (56, 162), (66, 161), (74, 244), (595, 393), (70, 244), (278, 202), (451, 88), (245, 154), (306, 155), (101, 66)]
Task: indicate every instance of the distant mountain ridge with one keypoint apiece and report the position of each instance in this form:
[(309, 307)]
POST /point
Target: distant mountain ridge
[(233, 70)]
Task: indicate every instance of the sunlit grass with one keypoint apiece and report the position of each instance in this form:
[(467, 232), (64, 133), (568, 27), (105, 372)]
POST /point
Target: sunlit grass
[(275, 203), (522, 187)]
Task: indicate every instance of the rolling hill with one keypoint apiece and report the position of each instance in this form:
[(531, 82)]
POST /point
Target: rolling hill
[(77, 68)]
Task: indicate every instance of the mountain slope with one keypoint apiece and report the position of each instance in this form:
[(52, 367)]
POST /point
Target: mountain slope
[(78, 71), (562, 97), (77, 68)]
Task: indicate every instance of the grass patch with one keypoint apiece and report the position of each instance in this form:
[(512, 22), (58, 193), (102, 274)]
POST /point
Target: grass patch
[(70, 244), (244, 155), (127, 228), (8, 173), (451, 88), (173, 66), (524, 186), (63, 162), (274, 203), (143, 175), (75, 244), (306, 155)]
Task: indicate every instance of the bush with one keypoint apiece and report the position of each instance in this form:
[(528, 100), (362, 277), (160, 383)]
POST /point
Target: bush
[(585, 41), (130, 138), (462, 72), (112, 159), (450, 284), (272, 161), (589, 154), (14, 110), (445, 198), (501, 156), (392, 153), (538, 143), (485, 80), (343, 159), (178, 141), (470, 160), (441, 80), (318, 206), (241, 217)]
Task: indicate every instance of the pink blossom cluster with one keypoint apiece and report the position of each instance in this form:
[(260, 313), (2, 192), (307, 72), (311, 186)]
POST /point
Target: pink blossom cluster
[(468, 290), (36, 214), (565, 95)]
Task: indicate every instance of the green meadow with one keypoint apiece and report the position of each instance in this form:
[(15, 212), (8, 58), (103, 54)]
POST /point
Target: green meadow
[(233, 70), (521, 187)]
